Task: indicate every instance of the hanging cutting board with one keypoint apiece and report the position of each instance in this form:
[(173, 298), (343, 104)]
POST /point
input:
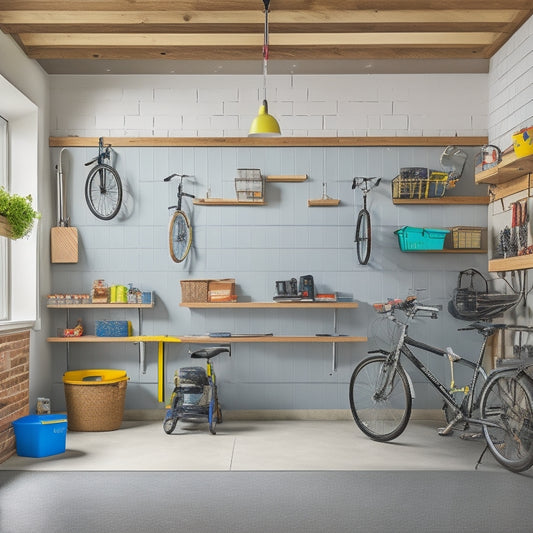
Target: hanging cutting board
[(64, 245), (63, 238)]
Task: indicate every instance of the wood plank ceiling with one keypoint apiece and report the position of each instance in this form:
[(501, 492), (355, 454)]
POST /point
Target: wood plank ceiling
[(233, 29)]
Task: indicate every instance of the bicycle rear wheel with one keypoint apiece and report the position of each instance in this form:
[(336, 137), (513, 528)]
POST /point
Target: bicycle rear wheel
[(363, 236), (507, 402), (179, 236), (103, 192), (380, 413)]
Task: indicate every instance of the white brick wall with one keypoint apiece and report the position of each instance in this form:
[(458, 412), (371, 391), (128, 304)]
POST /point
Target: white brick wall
[(511, 87), (219, 105)]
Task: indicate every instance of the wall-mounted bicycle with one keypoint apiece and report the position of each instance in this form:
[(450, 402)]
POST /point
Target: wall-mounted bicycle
[(363, 228), (179, 230), (103, 187)]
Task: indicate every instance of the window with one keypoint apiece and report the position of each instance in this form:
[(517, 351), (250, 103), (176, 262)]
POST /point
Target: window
[(4, 243)]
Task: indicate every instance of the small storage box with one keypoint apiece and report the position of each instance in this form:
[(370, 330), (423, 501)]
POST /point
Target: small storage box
[(194, 290), (419, 239), (464, 237), (113, 328), (40, 435), (95, 399), (250, 185)]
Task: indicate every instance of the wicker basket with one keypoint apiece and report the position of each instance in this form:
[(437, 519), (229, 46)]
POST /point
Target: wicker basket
[(95, 406), (464, 237), (194, 290)]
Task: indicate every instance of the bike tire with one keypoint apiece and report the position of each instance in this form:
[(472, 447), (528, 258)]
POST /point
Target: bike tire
[(103, 192), (363, 237), (179, 236), (507, 400), (381, 419)]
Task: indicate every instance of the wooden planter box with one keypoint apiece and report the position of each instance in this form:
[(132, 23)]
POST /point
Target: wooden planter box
[(5, 227)]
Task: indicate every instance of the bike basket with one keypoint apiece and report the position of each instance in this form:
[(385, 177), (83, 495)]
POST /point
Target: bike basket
[(472, 300)]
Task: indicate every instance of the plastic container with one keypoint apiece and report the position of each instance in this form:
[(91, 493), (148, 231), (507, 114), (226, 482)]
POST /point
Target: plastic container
[(95, 399), (419, 239), (523, 142), (40, 435)]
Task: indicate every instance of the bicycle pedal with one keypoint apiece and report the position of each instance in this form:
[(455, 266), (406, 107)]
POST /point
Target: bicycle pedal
[(471, 436), (445, 432)]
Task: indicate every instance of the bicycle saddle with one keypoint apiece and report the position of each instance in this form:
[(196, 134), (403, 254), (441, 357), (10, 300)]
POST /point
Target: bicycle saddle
[(208, 353), (486, 328)]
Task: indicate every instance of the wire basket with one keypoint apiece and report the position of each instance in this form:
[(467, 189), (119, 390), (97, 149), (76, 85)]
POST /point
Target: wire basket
[(417, 188), (95, 407)]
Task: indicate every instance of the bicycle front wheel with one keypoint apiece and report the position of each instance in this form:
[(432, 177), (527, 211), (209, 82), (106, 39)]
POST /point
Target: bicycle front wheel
[(507, 403), (380, 402), (103, 192), (179, 236), (363, 237)]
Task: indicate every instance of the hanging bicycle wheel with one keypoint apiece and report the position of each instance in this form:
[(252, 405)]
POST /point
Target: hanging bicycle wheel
[(363, 237), (507, 404), (179, 236), (103, 192)]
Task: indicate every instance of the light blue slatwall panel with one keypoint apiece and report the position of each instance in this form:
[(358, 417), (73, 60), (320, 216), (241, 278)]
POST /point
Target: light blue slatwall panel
[(257, 246)]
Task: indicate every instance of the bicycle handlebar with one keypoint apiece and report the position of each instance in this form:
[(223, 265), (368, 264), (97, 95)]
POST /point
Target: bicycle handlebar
[(181, 176)]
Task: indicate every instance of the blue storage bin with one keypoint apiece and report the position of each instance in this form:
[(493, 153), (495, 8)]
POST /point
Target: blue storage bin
[(413, 239), (40, 435), (113, 328)]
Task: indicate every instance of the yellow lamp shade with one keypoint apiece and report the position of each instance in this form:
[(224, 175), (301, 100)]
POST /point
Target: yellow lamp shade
[(264, 125)]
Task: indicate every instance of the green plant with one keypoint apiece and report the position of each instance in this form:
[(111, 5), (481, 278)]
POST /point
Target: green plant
[(18, 212)]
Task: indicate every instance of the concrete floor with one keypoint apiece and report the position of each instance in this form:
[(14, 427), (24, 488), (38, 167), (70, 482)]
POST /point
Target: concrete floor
[(241, 445)]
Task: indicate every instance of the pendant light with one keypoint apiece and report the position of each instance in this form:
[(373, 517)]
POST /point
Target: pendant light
[(264, 125)]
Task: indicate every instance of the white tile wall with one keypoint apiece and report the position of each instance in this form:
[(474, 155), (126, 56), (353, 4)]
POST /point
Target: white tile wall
[(511, 87), (220, 105)]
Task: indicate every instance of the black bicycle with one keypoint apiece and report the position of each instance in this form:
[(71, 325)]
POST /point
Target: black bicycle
[(103, 187), (363, 228), (179, 229), (501, 403)]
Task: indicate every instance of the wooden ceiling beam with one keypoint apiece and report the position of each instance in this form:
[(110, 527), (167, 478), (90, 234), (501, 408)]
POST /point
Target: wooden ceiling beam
[(68, 40), (41, 21)]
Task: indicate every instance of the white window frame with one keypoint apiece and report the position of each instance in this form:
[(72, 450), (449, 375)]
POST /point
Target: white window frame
[(4, 243), (22, 158)]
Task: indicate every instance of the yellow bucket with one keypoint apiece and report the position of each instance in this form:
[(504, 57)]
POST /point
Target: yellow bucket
[(523, 142), (96, 376)]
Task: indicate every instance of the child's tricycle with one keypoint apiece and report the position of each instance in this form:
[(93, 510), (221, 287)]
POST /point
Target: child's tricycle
[(194, 398)]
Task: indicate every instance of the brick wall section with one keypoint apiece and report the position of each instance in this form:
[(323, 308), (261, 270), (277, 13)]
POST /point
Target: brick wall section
[(14, 386)]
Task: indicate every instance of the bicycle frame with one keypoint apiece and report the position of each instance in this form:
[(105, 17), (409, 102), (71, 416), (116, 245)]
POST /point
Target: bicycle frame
[(465, 408)]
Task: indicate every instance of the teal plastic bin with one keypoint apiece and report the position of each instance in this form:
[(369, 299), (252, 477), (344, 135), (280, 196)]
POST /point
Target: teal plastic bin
[(40, 435), (413, 239)]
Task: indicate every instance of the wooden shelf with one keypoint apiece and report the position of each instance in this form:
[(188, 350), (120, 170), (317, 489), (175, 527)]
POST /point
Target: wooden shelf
[(202, 339), (287, 179), (100, 306), (225, 201), (444, 200), (520, 262), (449, 251), (323, 202), (269, 141), (271, 305), (511, 167)]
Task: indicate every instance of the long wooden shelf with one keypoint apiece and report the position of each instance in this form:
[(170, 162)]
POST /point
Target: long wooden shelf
[(100, 306), (225, 201), (508, 169), (287, 178), (269, 141), (444, 200), (204, 339), (323, 202), (520, 262), (271, 305)]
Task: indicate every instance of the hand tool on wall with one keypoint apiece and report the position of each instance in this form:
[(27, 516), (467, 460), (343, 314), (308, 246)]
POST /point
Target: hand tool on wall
[(63, 238)]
